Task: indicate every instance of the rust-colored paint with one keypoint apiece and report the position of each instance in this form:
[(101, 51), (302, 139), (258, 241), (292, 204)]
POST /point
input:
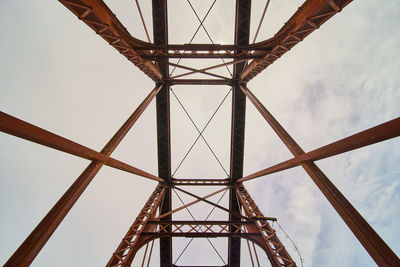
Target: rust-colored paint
[(95, 13), (24, 130), (382, 132), (371, 241), (190, 204), (32, 245)]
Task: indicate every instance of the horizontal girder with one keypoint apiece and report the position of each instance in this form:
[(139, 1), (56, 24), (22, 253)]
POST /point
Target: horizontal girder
[(201, 182), (252, 225)]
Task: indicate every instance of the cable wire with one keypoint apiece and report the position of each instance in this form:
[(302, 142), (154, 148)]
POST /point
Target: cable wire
[(294, 245), (151, 251), (261, 21), (255, 253)]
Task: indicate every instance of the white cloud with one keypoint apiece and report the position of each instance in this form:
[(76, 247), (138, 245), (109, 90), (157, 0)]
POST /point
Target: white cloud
[(342, 79)]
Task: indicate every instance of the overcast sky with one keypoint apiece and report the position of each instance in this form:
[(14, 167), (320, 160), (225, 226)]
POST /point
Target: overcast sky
[(56, 73)]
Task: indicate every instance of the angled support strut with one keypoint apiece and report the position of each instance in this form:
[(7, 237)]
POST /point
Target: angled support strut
[(371, 241)]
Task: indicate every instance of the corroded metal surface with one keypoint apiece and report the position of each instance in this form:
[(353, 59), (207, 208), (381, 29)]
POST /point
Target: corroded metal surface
[(251, 224)]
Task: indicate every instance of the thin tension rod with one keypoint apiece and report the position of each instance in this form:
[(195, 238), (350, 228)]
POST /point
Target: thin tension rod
[(32, 245), (209, 68), (200, 132), (189, 204), (208, 216), (195, 33), (197, 71), (27, 131), (213, 204), (209, 37), (194, 219), (261, 21), (141, 17)]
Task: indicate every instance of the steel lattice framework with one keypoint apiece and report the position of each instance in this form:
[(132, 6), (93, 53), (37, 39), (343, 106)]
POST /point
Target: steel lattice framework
[(245, 218)]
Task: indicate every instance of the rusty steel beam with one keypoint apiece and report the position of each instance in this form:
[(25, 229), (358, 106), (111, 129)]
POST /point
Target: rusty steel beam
[(208, 55), (199, 82), (309, 17), (193, 71), (152, 235), (242, 36), (256, 231), (199, 266), (202, 182), (260, 46), (200, 222), (210, 68), (32, 245), (382, 132), (24, 130), (371, 241), (97, 15), (38, 238)]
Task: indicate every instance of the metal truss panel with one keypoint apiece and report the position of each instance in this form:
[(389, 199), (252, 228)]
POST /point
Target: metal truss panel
[(275, 250), (97, 15), (309, 17), (372, 242), (250, 225)]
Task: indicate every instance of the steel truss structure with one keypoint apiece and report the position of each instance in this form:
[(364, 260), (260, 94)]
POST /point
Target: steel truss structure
[(245, 218)]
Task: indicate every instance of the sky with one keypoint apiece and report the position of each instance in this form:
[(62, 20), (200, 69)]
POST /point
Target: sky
[(56, 73)]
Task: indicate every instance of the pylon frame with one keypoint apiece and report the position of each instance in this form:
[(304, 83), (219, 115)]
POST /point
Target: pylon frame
[(152, 59)]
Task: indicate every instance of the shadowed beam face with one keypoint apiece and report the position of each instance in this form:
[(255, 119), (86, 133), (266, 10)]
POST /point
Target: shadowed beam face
[(29, 249)]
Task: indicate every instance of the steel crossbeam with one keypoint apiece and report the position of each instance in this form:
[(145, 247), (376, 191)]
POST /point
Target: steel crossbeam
[(250, 225)]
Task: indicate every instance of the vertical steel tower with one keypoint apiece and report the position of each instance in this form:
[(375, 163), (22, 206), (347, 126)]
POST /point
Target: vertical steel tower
[(245, 218)]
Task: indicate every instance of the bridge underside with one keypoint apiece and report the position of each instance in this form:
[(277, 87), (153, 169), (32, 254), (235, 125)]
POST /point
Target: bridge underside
[(246, 221)]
